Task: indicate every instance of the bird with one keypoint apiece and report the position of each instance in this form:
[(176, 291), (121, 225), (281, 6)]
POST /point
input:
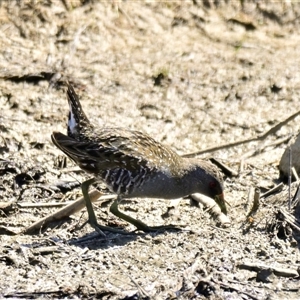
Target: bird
[(132, 165)]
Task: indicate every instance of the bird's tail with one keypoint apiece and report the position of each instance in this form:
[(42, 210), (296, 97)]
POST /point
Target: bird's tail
[(77, 121)]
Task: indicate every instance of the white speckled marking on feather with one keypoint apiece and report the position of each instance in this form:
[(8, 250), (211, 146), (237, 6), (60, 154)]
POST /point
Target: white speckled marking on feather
[(72, 121)]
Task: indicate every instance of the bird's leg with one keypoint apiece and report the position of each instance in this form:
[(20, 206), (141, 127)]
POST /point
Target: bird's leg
[(92, 217), (137, 223), (85, 191)]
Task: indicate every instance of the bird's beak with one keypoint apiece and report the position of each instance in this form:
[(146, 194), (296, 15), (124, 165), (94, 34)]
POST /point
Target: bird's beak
[(222, 203)]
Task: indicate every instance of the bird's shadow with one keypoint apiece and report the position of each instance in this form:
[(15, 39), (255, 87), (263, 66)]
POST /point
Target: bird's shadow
[(94, 240)]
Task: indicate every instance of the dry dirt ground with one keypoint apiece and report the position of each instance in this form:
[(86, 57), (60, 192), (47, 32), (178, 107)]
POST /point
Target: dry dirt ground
[(192, 74)]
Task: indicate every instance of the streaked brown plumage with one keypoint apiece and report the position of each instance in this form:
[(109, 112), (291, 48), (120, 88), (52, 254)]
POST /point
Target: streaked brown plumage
[(133, 164)]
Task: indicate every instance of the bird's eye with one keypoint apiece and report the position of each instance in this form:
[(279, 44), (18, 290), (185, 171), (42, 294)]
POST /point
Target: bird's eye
[(212, 184)]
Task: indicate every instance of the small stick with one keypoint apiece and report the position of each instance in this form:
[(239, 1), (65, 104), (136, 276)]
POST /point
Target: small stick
[(255, 204), (278, 141), (143, 293), (256, 199), (48, 204), (294, 172), (225, 146), (225, 169), (290, 219), (290, 175), (295, 199), (242, 166), (71, 169), (277, 270), (249, 199), (275, 189), (263, 146), (227, 286), (271, 131), (62, 213), (57, 204)]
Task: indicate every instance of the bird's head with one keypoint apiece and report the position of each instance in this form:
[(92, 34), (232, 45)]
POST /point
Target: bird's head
[(216, 191), (210, 182)]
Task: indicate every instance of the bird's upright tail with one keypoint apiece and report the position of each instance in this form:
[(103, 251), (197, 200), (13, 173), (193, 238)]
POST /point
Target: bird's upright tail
[(78, 122)]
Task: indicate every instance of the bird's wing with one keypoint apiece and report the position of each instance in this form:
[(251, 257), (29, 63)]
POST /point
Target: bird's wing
[(138, 145), (114, 149)]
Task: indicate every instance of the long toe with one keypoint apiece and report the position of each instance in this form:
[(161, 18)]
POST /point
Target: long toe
[(100, 228), (160, 228)]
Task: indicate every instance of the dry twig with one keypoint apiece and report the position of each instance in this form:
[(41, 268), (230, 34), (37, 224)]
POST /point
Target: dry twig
[(225, 169), (275, 189), (47, 204), (62, 213), (239, 291), (290, 176), (294, 172), (289, 218), (278, 271), (263, 146), (253, 139), (255, 203)]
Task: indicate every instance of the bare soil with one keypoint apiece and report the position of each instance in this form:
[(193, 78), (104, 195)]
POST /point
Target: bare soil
[(193, 75)]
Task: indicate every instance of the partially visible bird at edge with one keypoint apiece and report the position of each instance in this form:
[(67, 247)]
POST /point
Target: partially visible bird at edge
[(132, 165)]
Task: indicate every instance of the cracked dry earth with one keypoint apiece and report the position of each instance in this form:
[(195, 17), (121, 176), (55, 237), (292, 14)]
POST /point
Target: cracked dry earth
[(193, 75)]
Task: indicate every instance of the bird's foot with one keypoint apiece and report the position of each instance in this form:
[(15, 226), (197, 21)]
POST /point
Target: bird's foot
[(137, 223), (147, 228), (100, 228), (140, 227)]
